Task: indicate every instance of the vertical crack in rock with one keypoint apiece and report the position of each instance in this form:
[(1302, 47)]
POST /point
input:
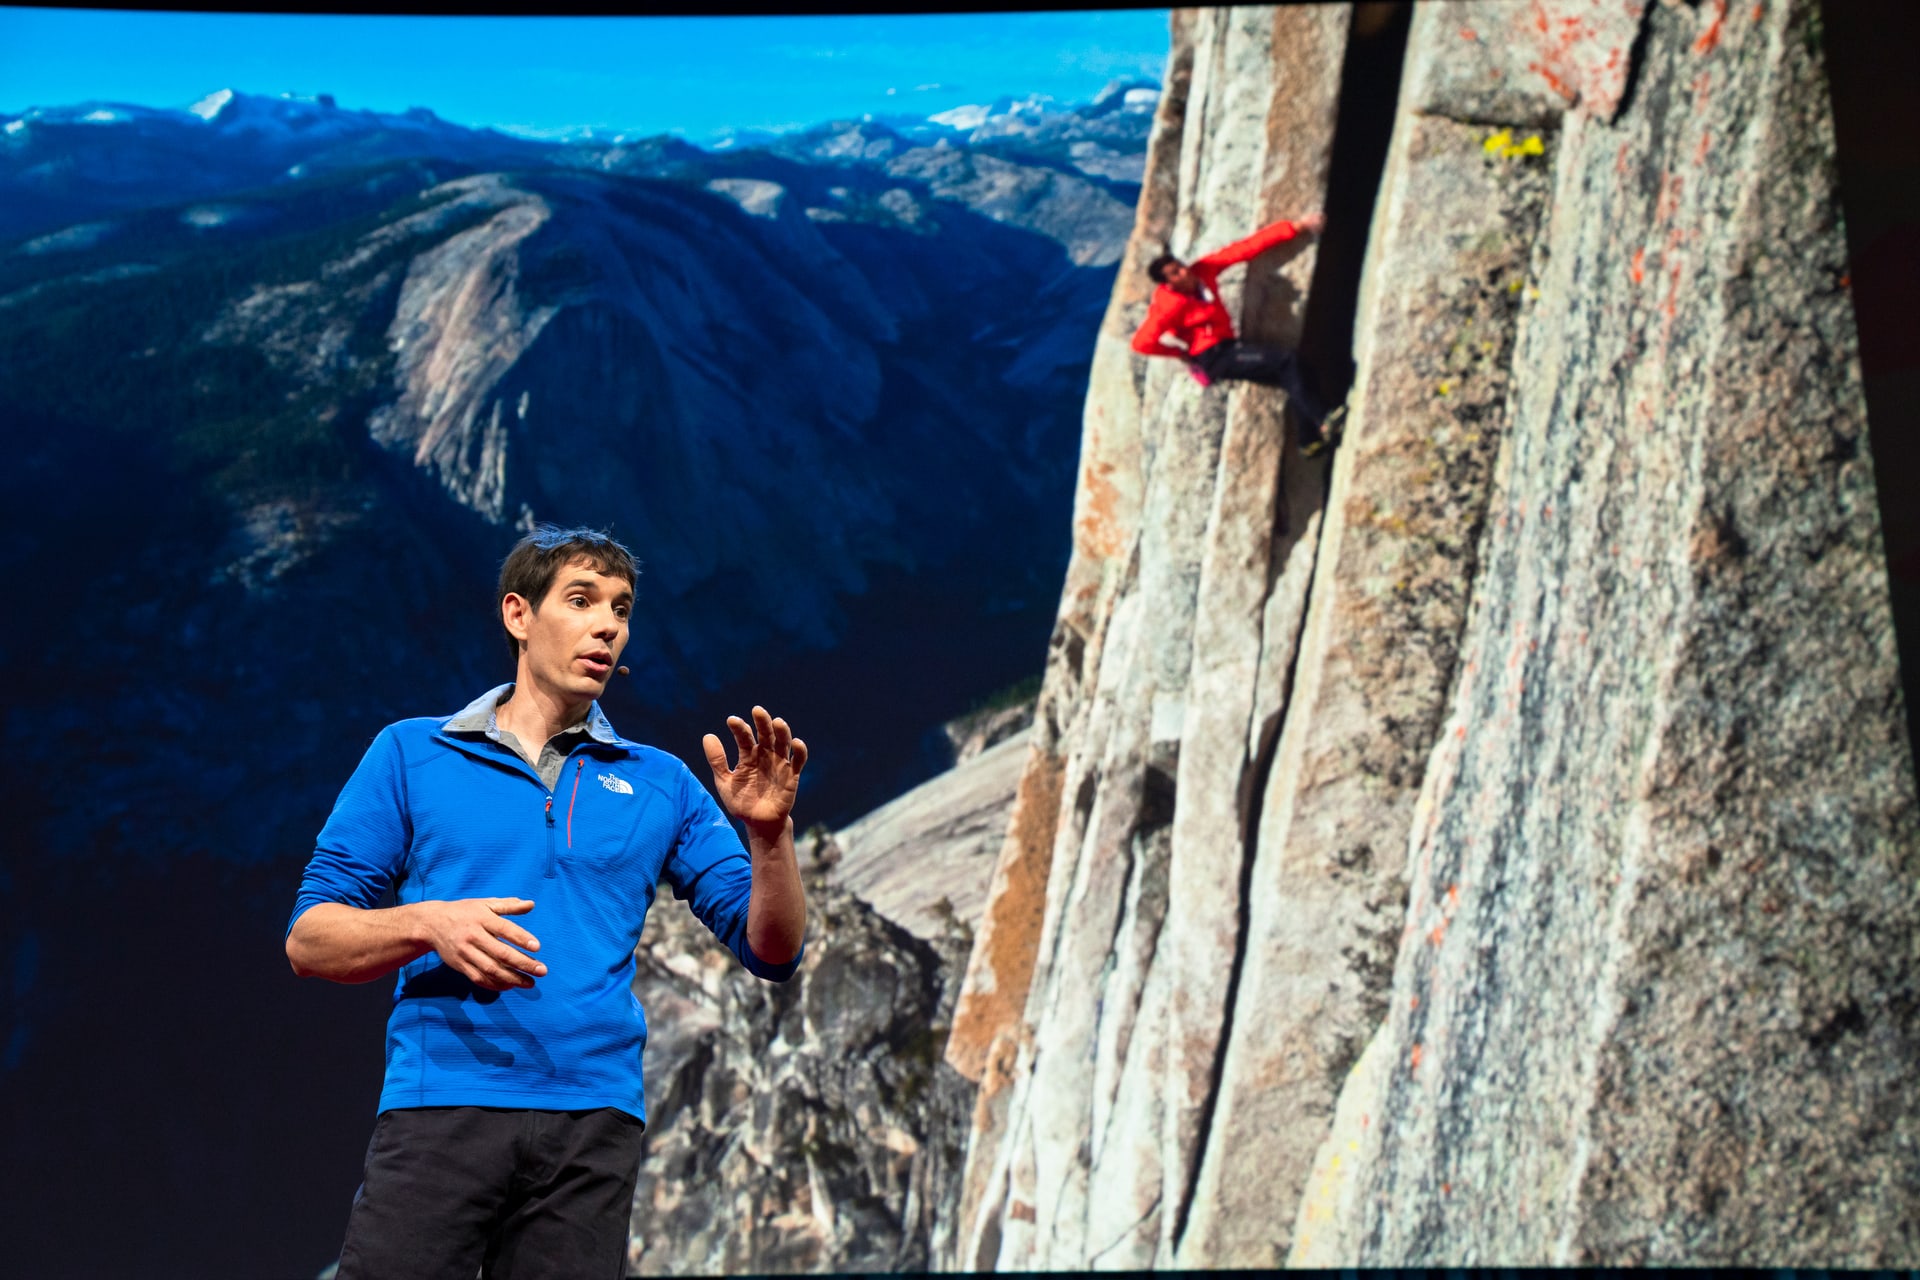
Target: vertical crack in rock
[(1636, 61), (1284, 167), (1251, 797), (1145, 911), (1097, 1257), (1370, 54)]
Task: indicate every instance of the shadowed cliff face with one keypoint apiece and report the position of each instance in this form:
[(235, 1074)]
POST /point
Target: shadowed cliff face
[(806, 1126), (1497, 844), (766, 404)]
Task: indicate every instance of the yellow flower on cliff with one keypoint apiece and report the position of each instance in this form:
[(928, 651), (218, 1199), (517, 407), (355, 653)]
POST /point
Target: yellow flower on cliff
[(1503, 145)]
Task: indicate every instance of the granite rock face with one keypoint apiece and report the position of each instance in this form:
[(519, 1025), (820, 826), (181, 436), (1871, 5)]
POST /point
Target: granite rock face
[(924, 860), (800, 1126), (1497, 846)]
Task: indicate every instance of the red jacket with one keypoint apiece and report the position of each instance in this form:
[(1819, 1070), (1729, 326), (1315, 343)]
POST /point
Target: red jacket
[(1202, 322)]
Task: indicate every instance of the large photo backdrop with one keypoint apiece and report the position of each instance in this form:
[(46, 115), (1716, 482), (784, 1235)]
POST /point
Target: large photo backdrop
[(1492, 840)]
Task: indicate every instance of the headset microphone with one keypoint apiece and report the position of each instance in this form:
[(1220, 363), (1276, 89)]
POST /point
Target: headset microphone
[(622, 671)]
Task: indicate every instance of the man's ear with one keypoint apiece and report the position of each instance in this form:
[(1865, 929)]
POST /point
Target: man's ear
[(516, 615)]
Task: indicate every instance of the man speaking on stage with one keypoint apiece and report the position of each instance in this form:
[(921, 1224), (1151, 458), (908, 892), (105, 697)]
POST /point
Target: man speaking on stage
[(524, 841)]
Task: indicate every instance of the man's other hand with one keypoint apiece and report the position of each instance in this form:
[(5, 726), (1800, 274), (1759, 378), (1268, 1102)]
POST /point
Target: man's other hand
[(471, 935), (760, 788), (1311, 224)]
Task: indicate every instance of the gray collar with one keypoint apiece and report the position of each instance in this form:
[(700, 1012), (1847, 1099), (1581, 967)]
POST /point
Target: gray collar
[(481, 716)]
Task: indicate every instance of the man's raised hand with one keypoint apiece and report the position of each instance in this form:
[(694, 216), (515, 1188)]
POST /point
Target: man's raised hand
[(760, 788), (1311, 224), (471, 935)]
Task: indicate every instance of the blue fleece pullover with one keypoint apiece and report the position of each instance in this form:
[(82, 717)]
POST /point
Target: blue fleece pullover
[(440, 816)]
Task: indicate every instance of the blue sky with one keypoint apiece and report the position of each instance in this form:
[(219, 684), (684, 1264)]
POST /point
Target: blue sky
[(687, 75)]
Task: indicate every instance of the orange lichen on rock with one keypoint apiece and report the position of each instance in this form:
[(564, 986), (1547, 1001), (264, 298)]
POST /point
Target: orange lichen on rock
[(1001, 968), (1099, 528), (1554, 82), (1669, 199), (1670, 308), (1711, 36)]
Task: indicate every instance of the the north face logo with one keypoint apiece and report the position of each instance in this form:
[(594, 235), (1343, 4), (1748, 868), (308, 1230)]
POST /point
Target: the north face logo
[(616, 784)]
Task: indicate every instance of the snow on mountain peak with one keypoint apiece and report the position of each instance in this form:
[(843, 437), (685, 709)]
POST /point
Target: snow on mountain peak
[(210, 107), (968, 117)]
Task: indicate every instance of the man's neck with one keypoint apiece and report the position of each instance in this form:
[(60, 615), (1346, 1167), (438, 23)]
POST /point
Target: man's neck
[(533, 714)]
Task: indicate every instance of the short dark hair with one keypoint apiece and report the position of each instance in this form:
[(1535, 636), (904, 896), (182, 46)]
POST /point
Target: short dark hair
[(1158, 267), (529, 569)]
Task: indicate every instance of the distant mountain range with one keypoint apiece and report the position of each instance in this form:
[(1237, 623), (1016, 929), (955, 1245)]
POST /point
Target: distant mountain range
[(63, 165)]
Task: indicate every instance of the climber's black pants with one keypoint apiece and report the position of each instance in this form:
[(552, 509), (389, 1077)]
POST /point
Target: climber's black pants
[(452, 1192), (1234, 360)]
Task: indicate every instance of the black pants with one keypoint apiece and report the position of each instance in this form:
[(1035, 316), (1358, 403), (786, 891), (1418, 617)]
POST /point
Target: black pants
[(457, 1191), (1234, 360)]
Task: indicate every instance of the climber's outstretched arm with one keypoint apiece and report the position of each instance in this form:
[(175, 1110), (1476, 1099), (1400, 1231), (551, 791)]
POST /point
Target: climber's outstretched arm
[(1261, 241)]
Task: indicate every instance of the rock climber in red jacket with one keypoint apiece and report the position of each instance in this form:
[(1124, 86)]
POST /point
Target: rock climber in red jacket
[(1187, 307)]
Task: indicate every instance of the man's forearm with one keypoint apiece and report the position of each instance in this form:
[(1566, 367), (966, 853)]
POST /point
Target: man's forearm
[(352, 944), (1274, 233), (777, 907), (1163, 345)]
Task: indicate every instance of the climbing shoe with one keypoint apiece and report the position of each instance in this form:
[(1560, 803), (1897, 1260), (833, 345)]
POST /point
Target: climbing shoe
[(1334, 420), (1314, 448)]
